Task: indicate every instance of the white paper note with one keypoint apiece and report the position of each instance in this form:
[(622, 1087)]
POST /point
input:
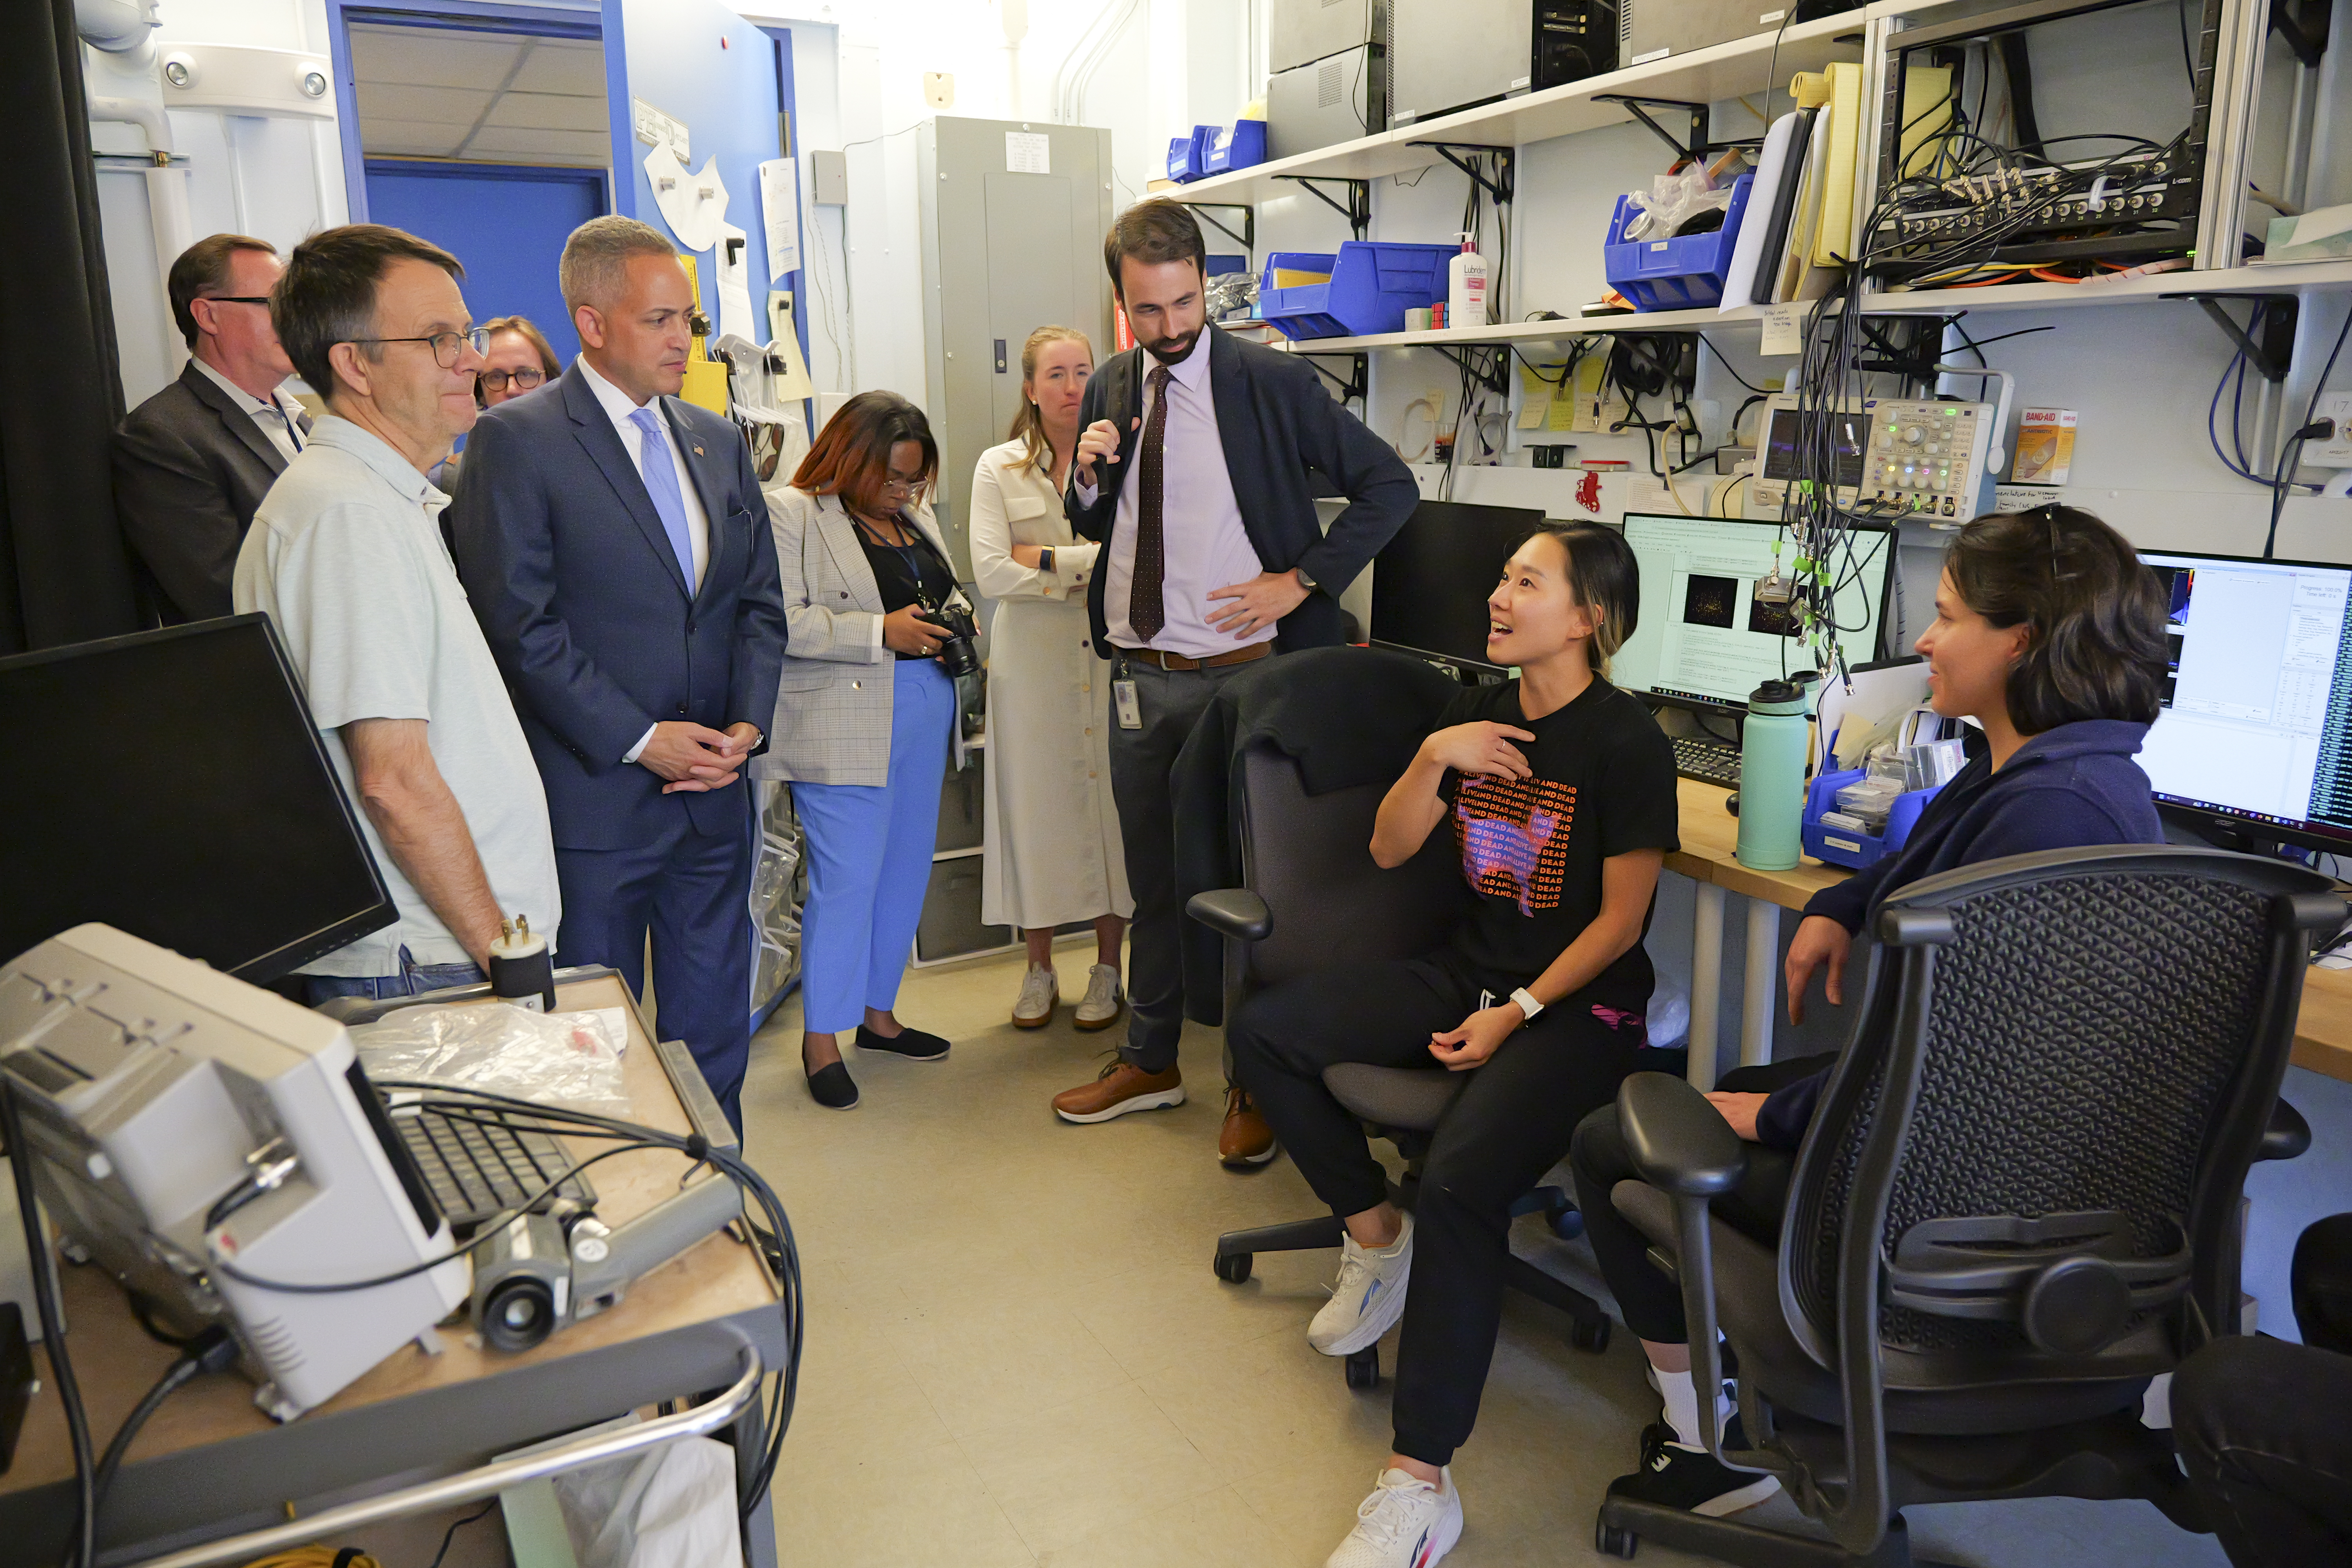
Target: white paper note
[(780, 211), (735, 317), (1784, 329), (1028, 153), (693, 205)]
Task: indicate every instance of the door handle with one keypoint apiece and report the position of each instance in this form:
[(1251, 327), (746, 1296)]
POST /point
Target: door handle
[(999, 356)]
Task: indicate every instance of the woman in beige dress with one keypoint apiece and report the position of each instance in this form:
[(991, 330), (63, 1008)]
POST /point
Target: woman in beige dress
[(1052, 853)]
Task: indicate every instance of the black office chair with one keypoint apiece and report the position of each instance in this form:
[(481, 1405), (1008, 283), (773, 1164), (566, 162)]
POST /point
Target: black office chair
[(1312, 896), (2018, 1201)]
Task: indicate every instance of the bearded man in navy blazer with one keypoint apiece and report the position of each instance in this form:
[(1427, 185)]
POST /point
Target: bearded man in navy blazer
[(616, 549)]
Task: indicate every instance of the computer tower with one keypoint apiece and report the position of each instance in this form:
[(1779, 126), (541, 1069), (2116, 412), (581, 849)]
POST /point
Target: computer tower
[(1574, 39), (1337, 98), (1300, 32), (1446, 55)]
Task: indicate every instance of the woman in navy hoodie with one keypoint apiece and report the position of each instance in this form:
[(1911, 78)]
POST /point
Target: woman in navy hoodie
[(2049, 634)]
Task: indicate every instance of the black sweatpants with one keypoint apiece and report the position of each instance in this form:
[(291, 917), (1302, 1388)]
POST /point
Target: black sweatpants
[(1511, 1124), (1651, 1303), (2260, 1428)]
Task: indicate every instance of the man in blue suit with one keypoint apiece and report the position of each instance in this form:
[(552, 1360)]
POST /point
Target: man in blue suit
[(616, 549)]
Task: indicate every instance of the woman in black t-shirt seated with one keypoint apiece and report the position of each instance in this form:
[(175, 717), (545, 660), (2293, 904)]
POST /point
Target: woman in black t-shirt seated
[(1560, 792)]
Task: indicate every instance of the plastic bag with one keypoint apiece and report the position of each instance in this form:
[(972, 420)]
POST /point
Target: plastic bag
[(1686, 203), (672, 1507), (556, 1059)]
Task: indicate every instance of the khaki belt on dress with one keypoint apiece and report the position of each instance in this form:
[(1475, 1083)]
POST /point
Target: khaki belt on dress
[(1177, 661)]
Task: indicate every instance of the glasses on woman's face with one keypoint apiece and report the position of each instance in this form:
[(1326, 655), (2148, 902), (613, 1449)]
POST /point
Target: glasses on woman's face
[(523, 379), (900, 484)]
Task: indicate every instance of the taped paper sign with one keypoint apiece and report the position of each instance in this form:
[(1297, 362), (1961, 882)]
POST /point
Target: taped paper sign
[(780, 211), (735, 317)]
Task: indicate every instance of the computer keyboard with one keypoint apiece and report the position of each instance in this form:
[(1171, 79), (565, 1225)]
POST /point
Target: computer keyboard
[(1709, 762), (477, 1165)]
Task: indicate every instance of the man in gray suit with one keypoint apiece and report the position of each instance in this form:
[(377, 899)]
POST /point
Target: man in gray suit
[(193, 462)]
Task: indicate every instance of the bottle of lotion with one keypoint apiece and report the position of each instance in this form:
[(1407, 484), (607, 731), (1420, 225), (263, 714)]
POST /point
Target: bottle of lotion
[(1465, 289)]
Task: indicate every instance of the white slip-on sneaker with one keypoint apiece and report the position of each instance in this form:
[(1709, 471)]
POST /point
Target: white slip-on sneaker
[(1369, 1298), (1104, 1000), (1041, 993), (1405, 1524)]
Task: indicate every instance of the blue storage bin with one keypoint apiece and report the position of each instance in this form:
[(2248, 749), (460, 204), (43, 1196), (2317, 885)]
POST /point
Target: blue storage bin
[(1241, 146), (1183, 159), (1373, 284), (1844, 846), (1678, 274)]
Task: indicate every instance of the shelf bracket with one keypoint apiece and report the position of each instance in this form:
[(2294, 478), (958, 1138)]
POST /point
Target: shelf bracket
[(1699, 144), (1359, 208), (1506, 158), (2276, 313), (1494, 379), (1246, 238), (2304, 27), (1357, 383)]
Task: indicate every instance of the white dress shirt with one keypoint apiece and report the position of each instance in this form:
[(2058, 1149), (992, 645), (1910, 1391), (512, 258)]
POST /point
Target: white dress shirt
[(279, 418), (618, 408), (1203, 543)]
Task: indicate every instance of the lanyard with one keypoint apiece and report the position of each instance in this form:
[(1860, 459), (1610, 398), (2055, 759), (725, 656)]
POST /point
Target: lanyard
[(909, 556)]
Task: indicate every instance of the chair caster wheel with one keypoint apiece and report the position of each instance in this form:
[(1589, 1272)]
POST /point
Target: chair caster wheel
[(1614, 1543), (1567, 1222), (1364, 1368), (1589, 1334), (1232, 1268)]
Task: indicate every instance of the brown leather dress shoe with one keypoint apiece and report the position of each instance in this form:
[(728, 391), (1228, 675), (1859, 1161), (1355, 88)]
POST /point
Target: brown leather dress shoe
[(1244, 1141), (1121, 1087)]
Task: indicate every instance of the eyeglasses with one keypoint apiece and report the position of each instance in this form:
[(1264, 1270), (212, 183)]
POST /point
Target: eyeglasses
[(449, 348), (526, 378), (902, 485), (235, 299)]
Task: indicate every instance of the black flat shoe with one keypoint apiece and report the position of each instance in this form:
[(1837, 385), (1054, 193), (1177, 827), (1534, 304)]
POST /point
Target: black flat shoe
[(832, 1087), (912, 1044)]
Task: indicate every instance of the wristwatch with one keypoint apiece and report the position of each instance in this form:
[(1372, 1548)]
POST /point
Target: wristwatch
[(1526, 1003), (1044, 558), (1304, 580)]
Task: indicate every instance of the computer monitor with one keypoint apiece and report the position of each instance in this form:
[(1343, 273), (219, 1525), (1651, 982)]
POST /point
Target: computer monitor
[(172, 785), (2255, 733), (1430, 584), (1703, 640)]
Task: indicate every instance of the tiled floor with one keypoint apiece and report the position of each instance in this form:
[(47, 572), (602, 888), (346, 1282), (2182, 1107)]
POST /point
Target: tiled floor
[(1016, 1353)]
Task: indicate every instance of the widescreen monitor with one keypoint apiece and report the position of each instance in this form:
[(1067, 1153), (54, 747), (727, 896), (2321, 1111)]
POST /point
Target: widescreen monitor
[(1430, 584), (1704, 640), (2255, 733), (211, 823)]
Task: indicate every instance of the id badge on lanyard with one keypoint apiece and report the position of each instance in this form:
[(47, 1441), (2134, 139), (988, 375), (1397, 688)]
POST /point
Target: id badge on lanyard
[(1123, 703)]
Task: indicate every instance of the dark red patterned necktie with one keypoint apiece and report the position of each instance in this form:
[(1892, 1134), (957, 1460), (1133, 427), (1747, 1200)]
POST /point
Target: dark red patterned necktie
[(1145, 614)]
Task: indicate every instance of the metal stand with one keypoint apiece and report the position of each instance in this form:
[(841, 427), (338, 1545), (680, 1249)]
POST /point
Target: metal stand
[(1246, 238), (1359, 208), (1698, 145)]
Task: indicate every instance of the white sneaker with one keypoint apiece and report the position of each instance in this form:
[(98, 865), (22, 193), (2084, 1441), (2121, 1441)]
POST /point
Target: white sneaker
[(1405, 1524), (1101, 1007), (1369, 1298), (1041, 993)]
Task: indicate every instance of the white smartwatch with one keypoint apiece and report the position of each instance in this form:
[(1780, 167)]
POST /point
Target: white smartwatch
[(1526, 1003)]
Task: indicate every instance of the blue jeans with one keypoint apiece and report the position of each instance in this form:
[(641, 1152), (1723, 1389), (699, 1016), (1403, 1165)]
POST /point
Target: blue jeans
[(413, 980)]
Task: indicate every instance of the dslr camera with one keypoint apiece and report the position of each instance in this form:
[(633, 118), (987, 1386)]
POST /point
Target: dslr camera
[(956, 649)]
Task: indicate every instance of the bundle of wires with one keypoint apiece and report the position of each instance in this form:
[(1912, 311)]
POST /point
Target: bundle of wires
[(1476, 401)]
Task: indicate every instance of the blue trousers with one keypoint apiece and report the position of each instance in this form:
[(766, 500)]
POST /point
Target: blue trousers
[(413, 980), (692, 891), (870, 860)]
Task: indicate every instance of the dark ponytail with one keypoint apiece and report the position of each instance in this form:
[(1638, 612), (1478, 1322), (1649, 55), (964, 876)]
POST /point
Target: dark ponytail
[(2096, 616)]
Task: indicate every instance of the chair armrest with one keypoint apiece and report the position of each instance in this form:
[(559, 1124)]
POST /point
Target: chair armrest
[(1236, 913), (2286, 1137), (1679, 1142)]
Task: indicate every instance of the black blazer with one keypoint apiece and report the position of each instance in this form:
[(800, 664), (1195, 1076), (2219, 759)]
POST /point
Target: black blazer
[(590, 617), (1279, 427), (190, 468)]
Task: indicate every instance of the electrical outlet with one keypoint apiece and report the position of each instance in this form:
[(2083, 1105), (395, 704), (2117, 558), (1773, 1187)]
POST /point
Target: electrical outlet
[(2336, 452)]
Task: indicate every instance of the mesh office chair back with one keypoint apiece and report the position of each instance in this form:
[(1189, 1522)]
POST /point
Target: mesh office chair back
[(2042, 1129)]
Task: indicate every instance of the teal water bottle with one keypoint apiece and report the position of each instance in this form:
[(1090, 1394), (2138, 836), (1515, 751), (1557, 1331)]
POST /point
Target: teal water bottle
[(1772, 746)]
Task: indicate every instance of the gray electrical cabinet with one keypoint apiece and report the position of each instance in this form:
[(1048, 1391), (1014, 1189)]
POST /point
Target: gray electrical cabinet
[(1013, 217)]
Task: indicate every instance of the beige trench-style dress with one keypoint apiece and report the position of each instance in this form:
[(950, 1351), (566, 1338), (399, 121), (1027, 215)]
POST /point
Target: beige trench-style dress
[(1051, 852)]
